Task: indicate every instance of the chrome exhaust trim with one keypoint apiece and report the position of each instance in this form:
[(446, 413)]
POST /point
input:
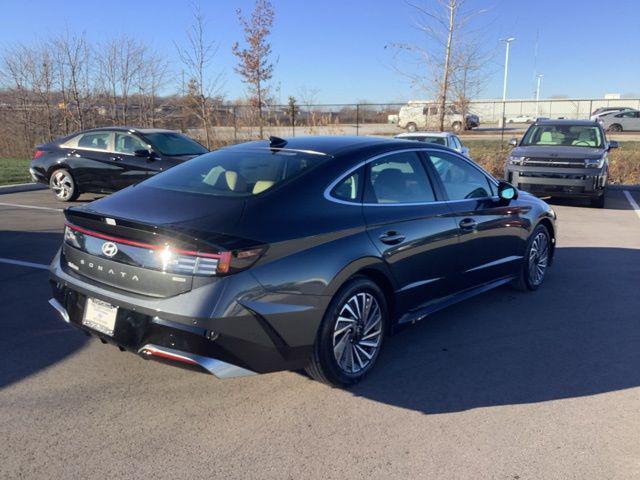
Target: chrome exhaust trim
[(218, 368), (62, 312)]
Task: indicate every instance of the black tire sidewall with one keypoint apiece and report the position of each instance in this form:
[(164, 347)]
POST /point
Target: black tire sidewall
[(324, 343), (525, 267)]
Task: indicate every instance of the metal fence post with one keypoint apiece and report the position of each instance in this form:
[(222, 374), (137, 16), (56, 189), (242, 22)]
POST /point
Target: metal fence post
[(357, 119), (235, 124)]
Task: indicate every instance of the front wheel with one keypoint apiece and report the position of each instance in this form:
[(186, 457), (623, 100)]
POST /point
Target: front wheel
[(457, 127), (615, 128), (411, 127), (350, 335), (598, 202), (536, 260), (63, 185)]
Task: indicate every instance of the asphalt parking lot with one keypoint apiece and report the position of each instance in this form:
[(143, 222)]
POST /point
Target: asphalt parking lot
[(504, 386)]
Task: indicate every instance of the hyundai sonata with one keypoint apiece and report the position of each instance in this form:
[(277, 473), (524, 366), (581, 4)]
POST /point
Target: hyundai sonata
[(298, 253)]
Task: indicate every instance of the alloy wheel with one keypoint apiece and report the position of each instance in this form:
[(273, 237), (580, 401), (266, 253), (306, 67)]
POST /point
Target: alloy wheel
[(538, 258), (62, 185), (357, 334)]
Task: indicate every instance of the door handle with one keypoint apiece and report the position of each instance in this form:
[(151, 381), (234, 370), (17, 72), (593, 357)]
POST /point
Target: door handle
[(116, 159), (468, 224), (391, 238)]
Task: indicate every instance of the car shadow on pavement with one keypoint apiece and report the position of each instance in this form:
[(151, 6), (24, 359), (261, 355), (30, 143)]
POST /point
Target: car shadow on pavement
[(615, 200), (578, 335), (32, 337)]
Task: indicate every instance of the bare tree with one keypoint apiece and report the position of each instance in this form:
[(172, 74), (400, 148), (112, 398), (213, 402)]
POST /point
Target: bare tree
[(196, 58), (443, 25), (469, 75), (73, 71), (254, 63), (152, 77)]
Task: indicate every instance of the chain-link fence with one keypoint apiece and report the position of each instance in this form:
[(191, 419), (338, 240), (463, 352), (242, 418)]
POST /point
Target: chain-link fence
[(24, 125)]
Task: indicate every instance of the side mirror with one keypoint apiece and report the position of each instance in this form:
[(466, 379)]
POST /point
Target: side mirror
[(506, 191), (613, 144), (513, 142), (142, 153)]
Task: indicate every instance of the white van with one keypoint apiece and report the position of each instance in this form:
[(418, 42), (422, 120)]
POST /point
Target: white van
[(417, 115)]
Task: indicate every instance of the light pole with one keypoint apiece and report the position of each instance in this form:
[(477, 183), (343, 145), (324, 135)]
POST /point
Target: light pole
[(538, 92), (504, 85)]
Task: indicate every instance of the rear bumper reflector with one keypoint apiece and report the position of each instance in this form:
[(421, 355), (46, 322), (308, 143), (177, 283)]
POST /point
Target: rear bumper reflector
[(216, 367)]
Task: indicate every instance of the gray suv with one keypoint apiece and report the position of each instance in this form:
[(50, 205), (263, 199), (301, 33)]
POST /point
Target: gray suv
[(561, 158)]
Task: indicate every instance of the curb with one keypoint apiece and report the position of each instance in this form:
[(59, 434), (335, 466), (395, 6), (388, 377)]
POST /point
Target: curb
[(21, 187)]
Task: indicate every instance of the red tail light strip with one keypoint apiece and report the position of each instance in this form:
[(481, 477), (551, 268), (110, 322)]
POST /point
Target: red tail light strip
[(223, 256)]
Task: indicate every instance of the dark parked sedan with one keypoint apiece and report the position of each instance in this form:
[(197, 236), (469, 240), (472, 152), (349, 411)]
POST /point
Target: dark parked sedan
[(299, 253), (104, 160)]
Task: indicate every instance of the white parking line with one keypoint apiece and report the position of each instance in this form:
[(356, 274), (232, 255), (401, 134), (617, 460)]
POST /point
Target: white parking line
[(11, 261), (633, 203), (30, 206)]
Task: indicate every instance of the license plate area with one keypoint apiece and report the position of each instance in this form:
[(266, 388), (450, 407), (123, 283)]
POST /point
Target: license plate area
[(100, 316)]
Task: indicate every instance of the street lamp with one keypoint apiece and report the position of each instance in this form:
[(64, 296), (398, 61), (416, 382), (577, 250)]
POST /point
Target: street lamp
[(504, 85), (538, 92)]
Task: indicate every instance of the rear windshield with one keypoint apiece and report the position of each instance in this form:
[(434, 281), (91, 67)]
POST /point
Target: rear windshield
[(564, 136), (173, 144), (235, 173), (420, 138)]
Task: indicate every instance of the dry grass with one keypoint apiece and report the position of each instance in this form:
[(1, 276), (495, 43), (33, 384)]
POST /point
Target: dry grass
[(624, 163)]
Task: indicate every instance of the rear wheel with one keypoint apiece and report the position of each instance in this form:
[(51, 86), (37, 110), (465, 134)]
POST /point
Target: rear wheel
[(411, 127), (457, 127), (63, 185), (536, 260), (350, 336), (615, 128)]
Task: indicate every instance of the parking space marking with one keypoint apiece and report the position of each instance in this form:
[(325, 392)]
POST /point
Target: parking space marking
[(30, 206), (633, 203), (21, 263)]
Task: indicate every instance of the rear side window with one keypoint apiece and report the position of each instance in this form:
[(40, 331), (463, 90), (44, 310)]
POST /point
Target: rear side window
[(235, 173), (95, 140), (399, 178), (349, 188)]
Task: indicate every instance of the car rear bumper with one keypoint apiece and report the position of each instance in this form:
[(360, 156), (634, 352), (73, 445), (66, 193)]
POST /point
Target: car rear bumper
[(554, 181), (227, 329)]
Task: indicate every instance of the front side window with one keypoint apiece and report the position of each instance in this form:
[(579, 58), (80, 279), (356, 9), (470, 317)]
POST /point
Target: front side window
[(94, 140), (563, 135), (461, 179), (128, 143), (174, 144), (235, 173), (400, 178)]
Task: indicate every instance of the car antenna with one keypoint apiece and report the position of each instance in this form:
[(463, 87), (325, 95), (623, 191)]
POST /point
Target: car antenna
[(277, 142)]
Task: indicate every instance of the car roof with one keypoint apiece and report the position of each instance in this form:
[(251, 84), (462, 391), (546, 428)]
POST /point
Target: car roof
[(332, 145), (566, 121), (128, 129), (423, 134)]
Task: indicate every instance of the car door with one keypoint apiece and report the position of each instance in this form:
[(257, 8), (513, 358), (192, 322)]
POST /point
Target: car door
[(493, 232), (413, 231), (88, 157), (130, 169)]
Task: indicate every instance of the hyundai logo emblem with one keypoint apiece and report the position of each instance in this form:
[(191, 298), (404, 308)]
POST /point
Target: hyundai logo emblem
[(109, 249)]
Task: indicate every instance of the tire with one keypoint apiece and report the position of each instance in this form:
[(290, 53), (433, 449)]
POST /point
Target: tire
[(457, 127), (411, 127), (340, 358), (598, 202), (615, 128), (529, 279), (63, 185)]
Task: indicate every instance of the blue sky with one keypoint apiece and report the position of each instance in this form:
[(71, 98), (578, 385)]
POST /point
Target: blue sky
[(586, 47)]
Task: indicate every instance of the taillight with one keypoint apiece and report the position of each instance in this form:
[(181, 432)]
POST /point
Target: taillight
[(162, 257), (37, 154)]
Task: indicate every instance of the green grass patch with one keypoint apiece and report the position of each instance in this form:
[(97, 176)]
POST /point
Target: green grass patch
[(14, 170)]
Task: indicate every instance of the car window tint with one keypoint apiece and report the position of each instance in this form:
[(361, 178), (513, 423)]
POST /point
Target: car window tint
[(128, 143), (349, 188), (400, 178), (235, 172), (461, 179), (94, 140)]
